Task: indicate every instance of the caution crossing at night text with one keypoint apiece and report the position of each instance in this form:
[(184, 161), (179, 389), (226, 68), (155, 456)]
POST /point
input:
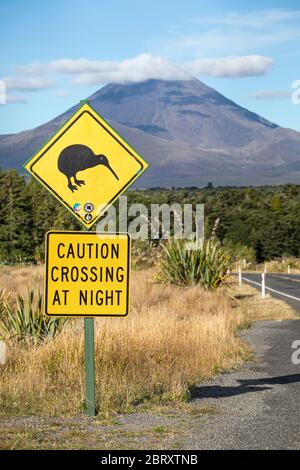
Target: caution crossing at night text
[(87, 274)]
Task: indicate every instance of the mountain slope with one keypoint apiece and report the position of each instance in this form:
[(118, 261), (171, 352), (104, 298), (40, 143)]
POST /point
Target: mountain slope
[(180, 110), (189, 133)]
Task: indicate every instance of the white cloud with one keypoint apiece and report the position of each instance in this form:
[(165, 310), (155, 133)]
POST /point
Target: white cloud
[(141, 67), (146, 66), (231, 67), (230, 34), (27, 83), (232, 44), (61, 93), (8, 98), (270, 95), (75, 66), (13, 99), (33, 69), (222, 42), (256, 19)]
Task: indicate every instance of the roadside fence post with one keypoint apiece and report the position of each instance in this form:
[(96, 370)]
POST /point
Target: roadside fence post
[(263, 285), (240, 276)]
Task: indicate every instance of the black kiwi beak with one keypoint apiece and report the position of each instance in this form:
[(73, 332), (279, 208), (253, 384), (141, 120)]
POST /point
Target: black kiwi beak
[(112, 171)]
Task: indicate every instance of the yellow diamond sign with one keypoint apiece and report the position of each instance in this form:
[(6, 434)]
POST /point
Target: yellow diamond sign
[(86, 165)]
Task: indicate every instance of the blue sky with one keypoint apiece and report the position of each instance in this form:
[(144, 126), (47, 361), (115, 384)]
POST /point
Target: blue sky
[(55, 53)]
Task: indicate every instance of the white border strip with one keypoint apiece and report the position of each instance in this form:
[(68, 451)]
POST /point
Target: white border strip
[(272, 290)]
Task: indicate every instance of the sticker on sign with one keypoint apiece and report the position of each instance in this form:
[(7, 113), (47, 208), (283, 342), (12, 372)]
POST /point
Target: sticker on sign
[(87, 274)]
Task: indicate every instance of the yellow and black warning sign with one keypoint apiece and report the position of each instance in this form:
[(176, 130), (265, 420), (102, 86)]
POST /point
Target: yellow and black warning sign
[(86, 165), (87, 274)]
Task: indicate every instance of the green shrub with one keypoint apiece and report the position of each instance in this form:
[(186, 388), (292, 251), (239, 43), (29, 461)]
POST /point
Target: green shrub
[(238, 251), (144, 255), (26, 321), (206, 266)]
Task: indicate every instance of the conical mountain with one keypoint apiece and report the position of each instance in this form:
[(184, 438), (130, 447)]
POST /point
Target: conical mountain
[(189, 133), (188, 111)]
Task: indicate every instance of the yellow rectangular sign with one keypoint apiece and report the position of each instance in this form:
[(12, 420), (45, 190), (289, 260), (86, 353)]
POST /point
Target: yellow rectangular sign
[(87, 274)]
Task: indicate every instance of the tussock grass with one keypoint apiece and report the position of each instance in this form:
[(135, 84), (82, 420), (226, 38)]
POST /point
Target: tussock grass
[(173, 338), (254, 308), (281, 266), (17, 281)]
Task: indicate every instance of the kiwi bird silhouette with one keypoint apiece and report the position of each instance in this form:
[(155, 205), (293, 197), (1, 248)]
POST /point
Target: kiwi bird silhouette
[(75, 158)]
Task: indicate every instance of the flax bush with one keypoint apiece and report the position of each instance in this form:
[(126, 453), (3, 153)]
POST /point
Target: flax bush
[(24, 319), (206, 266)]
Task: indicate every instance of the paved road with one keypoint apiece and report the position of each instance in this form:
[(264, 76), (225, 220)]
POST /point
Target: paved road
[(259, 404), (288, 284)]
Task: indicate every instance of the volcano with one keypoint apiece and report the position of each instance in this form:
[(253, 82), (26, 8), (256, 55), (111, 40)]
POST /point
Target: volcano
[(188, 132)]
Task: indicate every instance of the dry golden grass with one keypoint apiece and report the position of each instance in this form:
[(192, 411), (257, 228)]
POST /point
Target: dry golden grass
[(18, 280), (282, 266), (254, 308), (172, 339)]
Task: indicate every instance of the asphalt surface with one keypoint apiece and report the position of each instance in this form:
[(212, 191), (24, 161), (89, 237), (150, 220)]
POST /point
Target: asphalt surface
[(259, 404)]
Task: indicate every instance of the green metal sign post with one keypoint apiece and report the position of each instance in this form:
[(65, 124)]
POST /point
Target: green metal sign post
[(89, 348)]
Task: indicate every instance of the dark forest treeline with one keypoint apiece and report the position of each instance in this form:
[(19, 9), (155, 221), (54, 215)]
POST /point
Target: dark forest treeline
[(265, 219)]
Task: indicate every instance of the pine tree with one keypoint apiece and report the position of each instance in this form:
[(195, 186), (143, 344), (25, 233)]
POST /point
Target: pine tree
[(43, 214), (15, 218)]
